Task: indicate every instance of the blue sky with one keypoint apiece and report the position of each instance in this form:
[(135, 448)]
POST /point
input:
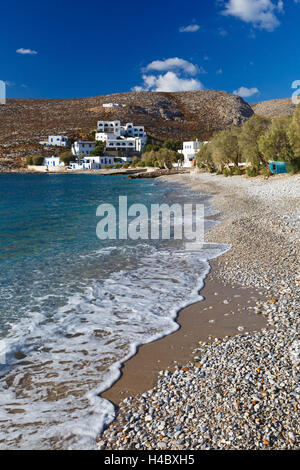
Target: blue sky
[(67, 49)]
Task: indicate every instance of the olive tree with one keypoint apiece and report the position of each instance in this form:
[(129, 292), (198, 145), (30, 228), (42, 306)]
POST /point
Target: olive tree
[(248, 138), (225, 148), (275, 144), (205, 157)]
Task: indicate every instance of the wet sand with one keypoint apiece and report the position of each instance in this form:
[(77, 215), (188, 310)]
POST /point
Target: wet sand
[(201, 322)]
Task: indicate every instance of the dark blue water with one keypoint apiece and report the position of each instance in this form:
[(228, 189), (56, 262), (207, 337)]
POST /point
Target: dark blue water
[(73, 307)]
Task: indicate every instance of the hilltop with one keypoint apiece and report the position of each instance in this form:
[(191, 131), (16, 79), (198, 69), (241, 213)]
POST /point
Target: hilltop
[(274, 108), (185, 115)]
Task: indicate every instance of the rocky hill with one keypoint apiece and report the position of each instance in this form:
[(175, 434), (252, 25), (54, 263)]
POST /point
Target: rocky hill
[(274, 108), (184, 115)]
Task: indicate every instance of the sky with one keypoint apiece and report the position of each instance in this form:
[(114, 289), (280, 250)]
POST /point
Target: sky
[(69, 49)]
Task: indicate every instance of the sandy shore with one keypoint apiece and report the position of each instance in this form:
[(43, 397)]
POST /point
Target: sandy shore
[(233, 392), (225, 311)]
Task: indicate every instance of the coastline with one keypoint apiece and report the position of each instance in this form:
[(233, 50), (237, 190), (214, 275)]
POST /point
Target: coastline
[(258, 224), (225, 311)]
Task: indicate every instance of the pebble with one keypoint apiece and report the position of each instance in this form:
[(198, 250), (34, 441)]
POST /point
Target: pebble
[(244, 392)]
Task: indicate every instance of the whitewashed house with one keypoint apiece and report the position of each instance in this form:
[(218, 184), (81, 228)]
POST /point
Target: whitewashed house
[(56, 140), (116, 137), (82, 148), (92, 163), (122, 143), (53, 162), (59, 140), (109, 127), (112, 105), (189, 152)]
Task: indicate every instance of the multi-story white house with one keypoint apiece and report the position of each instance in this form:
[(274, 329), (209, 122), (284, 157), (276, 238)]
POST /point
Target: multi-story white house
[(83, 148), (116, 137), (133, 131), (109, 127), (189, 152), (121, 143), (56, 140)]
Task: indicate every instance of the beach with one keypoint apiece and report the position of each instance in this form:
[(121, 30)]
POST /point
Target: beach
[(218, 385)]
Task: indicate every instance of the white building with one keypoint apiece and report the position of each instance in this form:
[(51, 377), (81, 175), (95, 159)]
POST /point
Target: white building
[(51, 162), (133, 131), (83, 148), (56, 140), (109, 127), (112, 105), (115, 136), (189, 152), (92, 163), (121, 143)]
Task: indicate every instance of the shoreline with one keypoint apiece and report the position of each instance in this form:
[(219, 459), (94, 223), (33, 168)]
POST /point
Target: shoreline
[(258, 221), (225, 311)]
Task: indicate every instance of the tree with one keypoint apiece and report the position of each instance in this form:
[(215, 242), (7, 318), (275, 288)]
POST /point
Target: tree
[(135, 160), (275, 144), (225, 148), (172, 144), (37, 160), (166, 158), (248, 137), (150, 147), (66, 158), (149, 158), (204, 157), (99, 149), (294, 132)]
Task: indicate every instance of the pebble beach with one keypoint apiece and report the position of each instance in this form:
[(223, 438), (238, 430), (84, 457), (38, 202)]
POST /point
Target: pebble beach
[(240, 392)]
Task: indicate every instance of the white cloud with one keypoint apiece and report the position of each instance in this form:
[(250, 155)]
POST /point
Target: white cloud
[(174, 63), (260, 13), (246, 92), (169, 82), (191, 28), (26, 51), (170, 75)]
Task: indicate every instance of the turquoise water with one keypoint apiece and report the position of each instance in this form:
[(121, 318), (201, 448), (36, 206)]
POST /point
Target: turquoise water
[(72, 307)]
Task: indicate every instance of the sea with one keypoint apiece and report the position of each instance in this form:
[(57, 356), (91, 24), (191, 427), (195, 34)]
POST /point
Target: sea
[(74, 307)]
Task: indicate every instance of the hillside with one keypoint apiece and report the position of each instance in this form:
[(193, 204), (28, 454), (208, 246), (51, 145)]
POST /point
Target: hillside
[(184, 115), (274, 108)]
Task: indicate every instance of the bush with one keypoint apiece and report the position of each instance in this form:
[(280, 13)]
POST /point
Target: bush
[(226, 172), (37, 160), (294, 166), (265, 171), (29, 160), (235, 171), (66, 158), (252, 172)]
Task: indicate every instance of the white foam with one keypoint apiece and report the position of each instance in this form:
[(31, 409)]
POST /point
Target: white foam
[(77, 353)]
